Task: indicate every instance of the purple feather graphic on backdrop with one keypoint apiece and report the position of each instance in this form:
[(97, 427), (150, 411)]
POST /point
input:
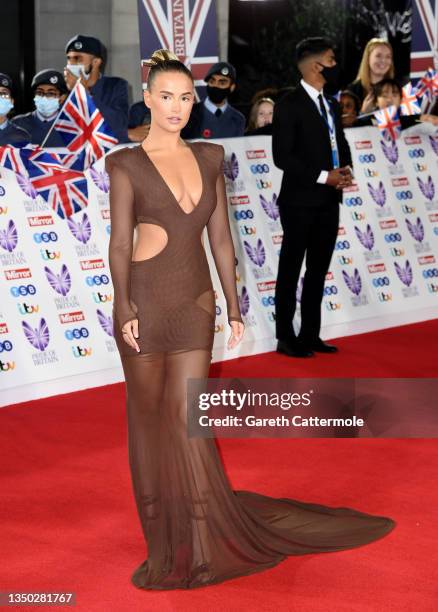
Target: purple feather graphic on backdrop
[(100, 179), (365, 238), (405, 273), (427, 187), (9, 237), (26, 186), (270, 206), (106, 323), (379, 194), (244, 301), (38, 337), (81, 230), (416, 230), (390, 150), (231, 167), (60, 283), (434, 143), (256, 254), (354, 283)]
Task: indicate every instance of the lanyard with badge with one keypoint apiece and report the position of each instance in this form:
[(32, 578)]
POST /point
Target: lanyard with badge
[(331, 129)]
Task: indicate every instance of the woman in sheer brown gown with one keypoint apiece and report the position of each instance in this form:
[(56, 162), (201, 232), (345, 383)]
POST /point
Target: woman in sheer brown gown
[(198, 530)]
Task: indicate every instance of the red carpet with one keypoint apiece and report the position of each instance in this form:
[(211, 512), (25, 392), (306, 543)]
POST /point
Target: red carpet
[(69, 522)]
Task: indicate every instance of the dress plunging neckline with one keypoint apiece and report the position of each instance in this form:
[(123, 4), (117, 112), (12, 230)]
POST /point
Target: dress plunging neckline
[(167, 186)]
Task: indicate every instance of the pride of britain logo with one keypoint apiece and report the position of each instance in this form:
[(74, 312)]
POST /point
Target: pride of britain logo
[(354, 284), (379, 196), (231, 171), (367, 240), (427, 188), (257, 255), (416, 230), (406, 276)]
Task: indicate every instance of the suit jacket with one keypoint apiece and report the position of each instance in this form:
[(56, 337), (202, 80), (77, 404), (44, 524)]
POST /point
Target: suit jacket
[(110, 95), (301, 148), (38, 129)]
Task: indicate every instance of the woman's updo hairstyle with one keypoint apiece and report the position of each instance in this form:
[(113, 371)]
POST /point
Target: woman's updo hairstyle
[(163, 60)]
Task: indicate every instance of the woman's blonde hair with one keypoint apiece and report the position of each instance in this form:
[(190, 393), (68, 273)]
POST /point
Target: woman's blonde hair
[(252, 121), (163, 60), (363, 74)]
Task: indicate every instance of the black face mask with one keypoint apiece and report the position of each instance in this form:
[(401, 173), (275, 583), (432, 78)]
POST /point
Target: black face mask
[(218, 94), (331, 75)]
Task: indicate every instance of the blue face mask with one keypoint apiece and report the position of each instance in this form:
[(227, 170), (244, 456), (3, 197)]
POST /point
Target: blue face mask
[(5, 106), (46, 106)]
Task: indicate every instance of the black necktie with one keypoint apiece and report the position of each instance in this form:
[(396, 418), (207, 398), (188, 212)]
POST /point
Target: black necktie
[(218, 112), (322, 107)]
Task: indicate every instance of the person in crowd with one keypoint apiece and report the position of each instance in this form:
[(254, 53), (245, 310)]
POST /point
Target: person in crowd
[(350, 107), (86, 60), (389, 93), (10, 134), (377, 63), (215, 117), (139, 121), (260, 117), (309, 145), (50, 91)]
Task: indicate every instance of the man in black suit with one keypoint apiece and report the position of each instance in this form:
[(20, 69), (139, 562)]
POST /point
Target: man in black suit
[(309, 145)]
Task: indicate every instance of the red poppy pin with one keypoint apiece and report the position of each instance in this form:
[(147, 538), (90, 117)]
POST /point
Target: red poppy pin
[(206, 133)]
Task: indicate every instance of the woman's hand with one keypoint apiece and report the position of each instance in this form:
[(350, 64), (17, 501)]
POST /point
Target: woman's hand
[(237, 329), (130, 333), (368, 103)]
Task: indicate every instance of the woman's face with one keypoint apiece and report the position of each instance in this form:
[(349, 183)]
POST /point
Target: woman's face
[(348, 106), (389, 96), (380, 60), (264, 114), (170, 100)]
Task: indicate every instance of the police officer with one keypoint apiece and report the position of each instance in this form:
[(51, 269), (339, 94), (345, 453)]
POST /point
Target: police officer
[(50, 92), (10, 134), (215, 117), (85, 60)]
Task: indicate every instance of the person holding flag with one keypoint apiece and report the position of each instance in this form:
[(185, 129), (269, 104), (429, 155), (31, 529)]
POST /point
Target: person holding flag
[(85, 61)]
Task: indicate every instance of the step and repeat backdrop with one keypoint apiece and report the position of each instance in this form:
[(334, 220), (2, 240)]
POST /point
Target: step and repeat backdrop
[(56, 327)]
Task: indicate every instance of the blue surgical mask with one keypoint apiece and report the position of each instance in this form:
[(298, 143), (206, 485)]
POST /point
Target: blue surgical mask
[(78, 70), (5, 106), (46, 106)]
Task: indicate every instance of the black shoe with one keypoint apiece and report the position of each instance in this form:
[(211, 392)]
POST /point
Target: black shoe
[(322, 347), (293, 349)]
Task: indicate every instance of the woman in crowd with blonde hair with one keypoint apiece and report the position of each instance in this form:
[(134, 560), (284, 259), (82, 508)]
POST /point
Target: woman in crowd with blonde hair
[(260, 117), (377, 63)]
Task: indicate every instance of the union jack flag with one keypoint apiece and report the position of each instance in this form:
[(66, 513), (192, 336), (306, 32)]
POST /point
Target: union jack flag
[(428, 85), (186, 27), (409, 104), (424, 47), (83, 128), (388, 122)]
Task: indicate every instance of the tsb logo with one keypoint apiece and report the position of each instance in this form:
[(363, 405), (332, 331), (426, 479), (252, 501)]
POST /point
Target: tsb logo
[(330, 290), (394, 237), (6, 346), (268, 301), (45, 237), (382, 281), (341, 245), (431, 273), (97, 279), (22, 290), (404, 195), (415, 153), (76, 333), (243, 214), (259, 168), (357, 201), (367, 159)]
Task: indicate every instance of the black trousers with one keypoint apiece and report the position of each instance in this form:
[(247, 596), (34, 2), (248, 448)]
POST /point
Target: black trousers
[(309, 231)]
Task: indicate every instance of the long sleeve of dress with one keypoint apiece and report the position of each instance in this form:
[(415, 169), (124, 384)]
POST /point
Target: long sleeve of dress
[(222, 247), (120, 244)]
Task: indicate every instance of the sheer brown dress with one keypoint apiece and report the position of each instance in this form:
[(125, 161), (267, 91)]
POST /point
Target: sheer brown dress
[(198, 530)]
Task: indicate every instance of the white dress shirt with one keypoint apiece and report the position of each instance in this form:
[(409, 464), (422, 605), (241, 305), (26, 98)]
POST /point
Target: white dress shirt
[(314, 93), (212, 107)]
